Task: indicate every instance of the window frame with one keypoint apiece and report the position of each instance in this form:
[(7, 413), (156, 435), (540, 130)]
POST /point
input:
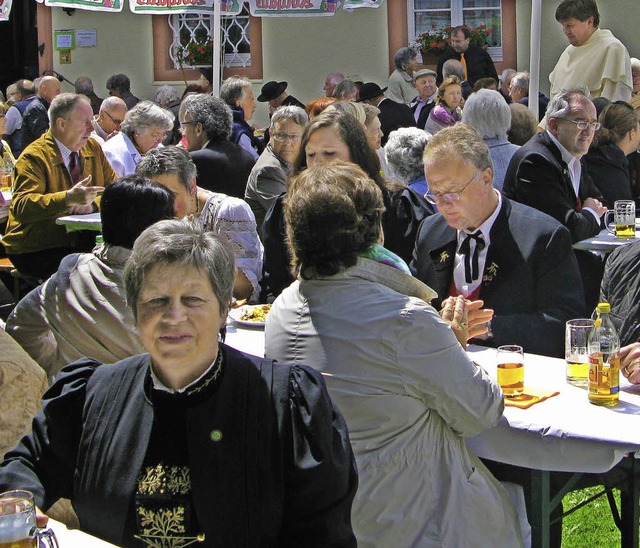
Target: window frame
[(398, 32), (163, 69), (456, 7)]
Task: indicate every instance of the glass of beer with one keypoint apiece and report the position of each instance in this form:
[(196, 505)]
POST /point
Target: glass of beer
[(511, 370), (624, 219), (18, 527), (576, 350)]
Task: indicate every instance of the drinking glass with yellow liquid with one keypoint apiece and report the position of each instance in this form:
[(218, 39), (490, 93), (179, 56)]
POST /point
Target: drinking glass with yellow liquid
[(511, 370), (576, 350), (624, 219), (18, 527)]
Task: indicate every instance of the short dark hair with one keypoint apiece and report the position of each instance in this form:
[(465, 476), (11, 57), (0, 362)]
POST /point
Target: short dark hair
[(578, 9), (131, 204), (118, 82), (332, 213), (352, 133), (464, 29)]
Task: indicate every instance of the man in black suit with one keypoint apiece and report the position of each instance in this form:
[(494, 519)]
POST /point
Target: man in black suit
[(425, 82), (547, 173), (477, 63), (222, 165), (392, 115), (482, 245), (453, 67)]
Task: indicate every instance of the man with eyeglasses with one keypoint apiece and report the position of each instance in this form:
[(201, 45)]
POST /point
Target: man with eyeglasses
[(509, 258), (548, 173), (107, 122), (268, 177), (223, 166)]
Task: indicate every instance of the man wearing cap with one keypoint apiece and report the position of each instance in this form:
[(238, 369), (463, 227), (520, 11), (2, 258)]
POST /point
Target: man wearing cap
[(274, 93), (425, 82), (392, 115), (206, 80)]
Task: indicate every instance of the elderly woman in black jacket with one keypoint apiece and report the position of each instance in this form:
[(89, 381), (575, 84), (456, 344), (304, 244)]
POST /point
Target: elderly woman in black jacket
[(192, 441)]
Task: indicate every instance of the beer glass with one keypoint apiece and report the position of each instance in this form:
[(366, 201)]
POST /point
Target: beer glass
[(576, 351), (624, 219), (18, 522), (511, 370)]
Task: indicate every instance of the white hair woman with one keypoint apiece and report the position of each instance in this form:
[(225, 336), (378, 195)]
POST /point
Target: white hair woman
[(145, 126), (488, 112), (404, 151)]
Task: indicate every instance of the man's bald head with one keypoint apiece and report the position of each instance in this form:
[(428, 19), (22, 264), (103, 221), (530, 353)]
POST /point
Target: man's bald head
[(111, 114), (49, 88)]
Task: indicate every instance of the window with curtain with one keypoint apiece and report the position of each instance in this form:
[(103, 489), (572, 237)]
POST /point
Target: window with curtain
[(193, 39), (427, 15)]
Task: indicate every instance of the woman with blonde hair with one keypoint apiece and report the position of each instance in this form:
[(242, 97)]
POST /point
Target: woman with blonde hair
[(448, 111)]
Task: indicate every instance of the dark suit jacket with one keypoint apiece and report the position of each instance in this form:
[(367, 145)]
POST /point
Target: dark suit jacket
[(223, 167), (393, 116), (531, 278), (290, 100), (479, 64), (538, 177)]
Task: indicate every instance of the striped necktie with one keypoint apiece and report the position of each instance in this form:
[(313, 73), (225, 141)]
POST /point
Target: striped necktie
[(74, 168)]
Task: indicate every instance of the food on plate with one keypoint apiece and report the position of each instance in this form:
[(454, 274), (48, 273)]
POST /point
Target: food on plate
[(256, 313)]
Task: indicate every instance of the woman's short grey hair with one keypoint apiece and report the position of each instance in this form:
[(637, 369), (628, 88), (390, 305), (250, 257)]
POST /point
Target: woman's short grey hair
[(403, 57), (146, 116), (559, 104), (168, 160), (232, 89), (213, 113), (344, 89), (62, 106), (488, 112), (349, 107), (635, 66), (521, 81), (295, 114), (403, 151), (186, 243), (165, 95)]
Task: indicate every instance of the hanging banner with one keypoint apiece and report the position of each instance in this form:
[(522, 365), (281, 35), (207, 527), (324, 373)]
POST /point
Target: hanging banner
[(92, 5), (353, 4), (5, 9), (170, 7), (295, 8)]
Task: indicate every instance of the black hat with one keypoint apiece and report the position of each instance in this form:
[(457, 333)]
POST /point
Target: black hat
[(208, 74), (271, 90), (369, 91)]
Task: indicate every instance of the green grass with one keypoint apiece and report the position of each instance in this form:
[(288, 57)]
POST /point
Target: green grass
[(592, 525)]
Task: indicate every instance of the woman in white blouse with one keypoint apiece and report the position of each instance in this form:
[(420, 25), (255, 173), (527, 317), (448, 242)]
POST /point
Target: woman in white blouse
[(144, 127)]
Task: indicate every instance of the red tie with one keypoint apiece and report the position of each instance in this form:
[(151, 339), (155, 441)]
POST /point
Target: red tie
[(74, 168)]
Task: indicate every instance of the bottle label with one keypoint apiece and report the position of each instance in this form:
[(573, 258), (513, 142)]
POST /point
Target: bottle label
[(603, 376)]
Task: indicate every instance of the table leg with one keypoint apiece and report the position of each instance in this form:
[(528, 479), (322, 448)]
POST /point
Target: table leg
[(538, 508), (629, 503)]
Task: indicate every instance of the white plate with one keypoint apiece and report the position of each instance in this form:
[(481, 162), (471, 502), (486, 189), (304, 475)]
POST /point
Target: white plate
[(236, 313)]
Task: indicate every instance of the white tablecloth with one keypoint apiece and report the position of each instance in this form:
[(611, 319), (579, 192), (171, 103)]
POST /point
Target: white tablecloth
[(563, 433), (90, 221), (604, 241)]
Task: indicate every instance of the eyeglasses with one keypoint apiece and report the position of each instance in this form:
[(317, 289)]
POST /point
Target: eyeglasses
[(158, 136), (116, 122), (582, 125), (185, 123), (449, 196), (286, 136)]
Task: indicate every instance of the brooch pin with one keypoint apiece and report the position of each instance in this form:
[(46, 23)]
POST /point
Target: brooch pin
[(444, 256), (493, 269)]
